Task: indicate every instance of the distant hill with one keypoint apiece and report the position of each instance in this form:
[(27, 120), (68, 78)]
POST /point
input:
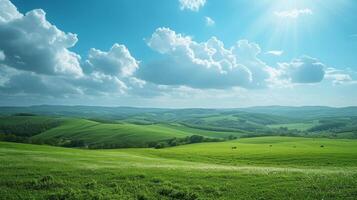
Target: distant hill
[(174, 114), (304, 111), (80, 111), (112, 127)]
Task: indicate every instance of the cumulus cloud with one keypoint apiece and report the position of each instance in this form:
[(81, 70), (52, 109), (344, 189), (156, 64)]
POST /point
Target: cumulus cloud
[(186, 62), (18, 82), (33, 44), (193, 5), (117, 61), (209, 21), (293, 14), (99, 83), (35, 59), (246, 54), (203, 65), (302, 70), (110, 74)]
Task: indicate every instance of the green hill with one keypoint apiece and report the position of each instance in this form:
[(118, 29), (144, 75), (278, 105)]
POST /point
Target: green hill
[(151, 129), (101, 135)]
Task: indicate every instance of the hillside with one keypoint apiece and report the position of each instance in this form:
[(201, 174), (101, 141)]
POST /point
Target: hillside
[(74, 132), (27, 125)]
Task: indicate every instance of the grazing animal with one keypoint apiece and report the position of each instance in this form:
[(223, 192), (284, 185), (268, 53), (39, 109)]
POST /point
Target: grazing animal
[(234, 147), (322, 146)]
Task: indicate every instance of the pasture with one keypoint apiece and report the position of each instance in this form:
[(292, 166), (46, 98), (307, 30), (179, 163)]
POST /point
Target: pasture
[(258, 168)]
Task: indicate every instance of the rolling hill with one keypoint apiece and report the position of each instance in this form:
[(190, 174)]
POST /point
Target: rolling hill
[(304, 112), (121, 134), (118, 127), (77, 132)]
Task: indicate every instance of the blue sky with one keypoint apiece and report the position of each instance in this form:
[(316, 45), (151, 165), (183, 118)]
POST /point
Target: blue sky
[(178, 53)]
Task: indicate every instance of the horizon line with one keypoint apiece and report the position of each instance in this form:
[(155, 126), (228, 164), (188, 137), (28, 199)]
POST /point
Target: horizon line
[(171, 108)]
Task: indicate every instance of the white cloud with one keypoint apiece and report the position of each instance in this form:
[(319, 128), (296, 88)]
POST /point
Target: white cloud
[(302, 70), (209, 21), (100, 83), (339, 77), (31, 43), (193, 5), (275, 53), (295, 13), (18, 82), (35, 59), (246, 54), (203, 65), (116, 62), (94, 83), (8, 11), (165, 41), (110, 71)]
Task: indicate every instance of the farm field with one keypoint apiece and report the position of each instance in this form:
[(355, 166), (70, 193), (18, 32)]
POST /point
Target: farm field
[(249, 168)]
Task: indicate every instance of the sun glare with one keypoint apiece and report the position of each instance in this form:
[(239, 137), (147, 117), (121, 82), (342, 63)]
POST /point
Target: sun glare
[(285, 21)]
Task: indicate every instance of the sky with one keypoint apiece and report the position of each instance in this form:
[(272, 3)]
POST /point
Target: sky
[(178, 53)]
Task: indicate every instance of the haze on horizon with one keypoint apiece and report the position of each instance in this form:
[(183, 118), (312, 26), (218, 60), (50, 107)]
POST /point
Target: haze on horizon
[(178, 53)]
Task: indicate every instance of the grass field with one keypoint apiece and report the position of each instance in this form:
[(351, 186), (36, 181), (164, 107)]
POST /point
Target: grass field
[(258, 168), (268, 151)]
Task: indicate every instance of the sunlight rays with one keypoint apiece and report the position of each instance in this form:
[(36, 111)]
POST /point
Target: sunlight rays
[(284, 23)]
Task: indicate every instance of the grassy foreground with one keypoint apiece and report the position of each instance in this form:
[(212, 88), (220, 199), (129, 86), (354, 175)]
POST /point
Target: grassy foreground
[(255, 168)]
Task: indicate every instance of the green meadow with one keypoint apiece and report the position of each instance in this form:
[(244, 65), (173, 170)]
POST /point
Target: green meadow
[(251, 168)]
